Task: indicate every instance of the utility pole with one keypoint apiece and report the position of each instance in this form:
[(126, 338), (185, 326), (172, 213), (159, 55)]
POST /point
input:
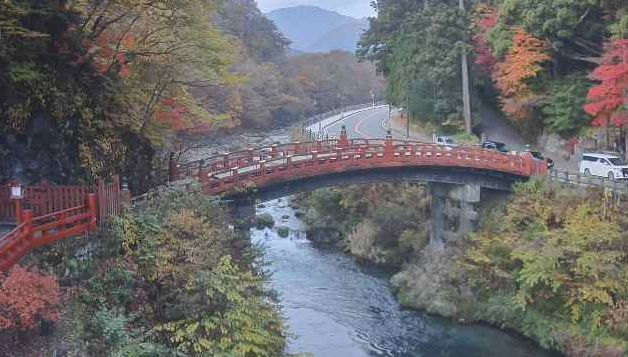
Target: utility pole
[(407, 114), (625, 55), (466, 96)]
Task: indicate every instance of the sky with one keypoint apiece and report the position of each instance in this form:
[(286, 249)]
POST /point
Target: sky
[(355, 8)]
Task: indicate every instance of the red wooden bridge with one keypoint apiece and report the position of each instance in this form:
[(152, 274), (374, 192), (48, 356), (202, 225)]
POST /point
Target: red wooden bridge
[(281, 163), (66, 211)]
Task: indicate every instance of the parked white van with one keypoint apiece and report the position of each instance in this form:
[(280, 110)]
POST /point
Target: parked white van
[(604, 165)]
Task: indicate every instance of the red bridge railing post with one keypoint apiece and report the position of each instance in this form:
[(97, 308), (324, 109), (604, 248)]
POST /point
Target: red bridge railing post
[(389, 149), (343, 141), (27, 218)]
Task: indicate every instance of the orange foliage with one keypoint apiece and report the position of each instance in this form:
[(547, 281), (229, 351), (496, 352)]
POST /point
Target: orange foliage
[(522, 62), (27, 297)]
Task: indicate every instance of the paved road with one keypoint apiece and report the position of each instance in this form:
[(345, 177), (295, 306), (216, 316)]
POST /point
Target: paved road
[(369, 123), (498, 128)]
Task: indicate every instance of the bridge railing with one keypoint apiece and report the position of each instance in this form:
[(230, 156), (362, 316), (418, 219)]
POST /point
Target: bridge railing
[(580, 181), (239, 158)]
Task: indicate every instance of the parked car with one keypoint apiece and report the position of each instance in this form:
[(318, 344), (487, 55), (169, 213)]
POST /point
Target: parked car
[(539, 156), (604, 165), (446, 141), (495, 145)]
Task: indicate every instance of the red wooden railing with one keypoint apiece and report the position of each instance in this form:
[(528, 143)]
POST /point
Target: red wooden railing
[(38, 227), (110, 198), (45, 230), (43, 199)]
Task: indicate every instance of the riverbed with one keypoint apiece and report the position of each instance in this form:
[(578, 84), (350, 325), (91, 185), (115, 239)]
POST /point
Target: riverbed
[(337, 308)]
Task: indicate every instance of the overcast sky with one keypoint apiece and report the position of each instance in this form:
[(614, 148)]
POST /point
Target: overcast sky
[(355, 8)]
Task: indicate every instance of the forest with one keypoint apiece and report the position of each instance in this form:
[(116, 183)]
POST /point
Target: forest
[(92, 88), (555, 67)]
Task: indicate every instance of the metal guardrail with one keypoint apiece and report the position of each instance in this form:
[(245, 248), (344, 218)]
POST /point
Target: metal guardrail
[(302, 125), (580, 181)]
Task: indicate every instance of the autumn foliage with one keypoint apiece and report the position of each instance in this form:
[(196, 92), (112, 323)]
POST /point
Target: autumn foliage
[(606, 100), (27, 297), (522, 62), (486, 19)]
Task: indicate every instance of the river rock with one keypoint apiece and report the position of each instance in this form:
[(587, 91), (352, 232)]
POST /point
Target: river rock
[(283, 232), (264, 221)]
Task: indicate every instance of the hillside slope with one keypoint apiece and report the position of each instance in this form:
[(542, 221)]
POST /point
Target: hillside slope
[(344, 37), (312, 29)]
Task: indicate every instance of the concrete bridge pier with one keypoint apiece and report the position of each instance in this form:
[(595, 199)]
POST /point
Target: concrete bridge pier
[(243, 213), (453, 212)]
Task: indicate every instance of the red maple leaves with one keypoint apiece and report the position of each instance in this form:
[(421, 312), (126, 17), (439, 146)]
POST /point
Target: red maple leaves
[(607, 99), (173, 114), (105, 54), (487, 19), (26, 298)]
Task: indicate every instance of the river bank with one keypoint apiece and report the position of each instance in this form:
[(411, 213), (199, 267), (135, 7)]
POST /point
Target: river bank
[(337, 307), (480, 278)]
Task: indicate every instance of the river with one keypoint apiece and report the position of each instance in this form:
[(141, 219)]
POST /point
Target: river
[(337, 308)]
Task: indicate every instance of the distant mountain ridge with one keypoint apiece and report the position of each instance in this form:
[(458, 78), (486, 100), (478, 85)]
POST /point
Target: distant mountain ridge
[(313, 29)]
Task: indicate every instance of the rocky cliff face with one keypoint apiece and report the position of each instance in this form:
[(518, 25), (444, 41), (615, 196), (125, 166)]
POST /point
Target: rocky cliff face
[(40, 153)]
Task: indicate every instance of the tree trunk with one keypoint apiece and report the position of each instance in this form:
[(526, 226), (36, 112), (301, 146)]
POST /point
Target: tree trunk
[(466, 96), (625, 144), (608, 134)]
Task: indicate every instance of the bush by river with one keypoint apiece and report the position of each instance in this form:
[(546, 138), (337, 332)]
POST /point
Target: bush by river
[(170, 278)]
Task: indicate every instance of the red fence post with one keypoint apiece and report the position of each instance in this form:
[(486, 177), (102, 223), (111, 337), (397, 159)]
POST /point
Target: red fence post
[(173, 170), (93, 212), (17, 195), (101, 201), (201, 163)]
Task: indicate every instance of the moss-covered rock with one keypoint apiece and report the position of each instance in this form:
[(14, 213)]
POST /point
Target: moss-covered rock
[(283, 232), (264, 221)]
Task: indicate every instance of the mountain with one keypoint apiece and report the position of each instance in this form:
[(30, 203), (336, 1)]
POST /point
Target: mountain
[(345, 37), (313, 29)]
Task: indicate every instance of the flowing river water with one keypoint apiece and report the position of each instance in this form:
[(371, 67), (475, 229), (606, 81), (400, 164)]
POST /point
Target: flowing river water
[(337, 308)]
